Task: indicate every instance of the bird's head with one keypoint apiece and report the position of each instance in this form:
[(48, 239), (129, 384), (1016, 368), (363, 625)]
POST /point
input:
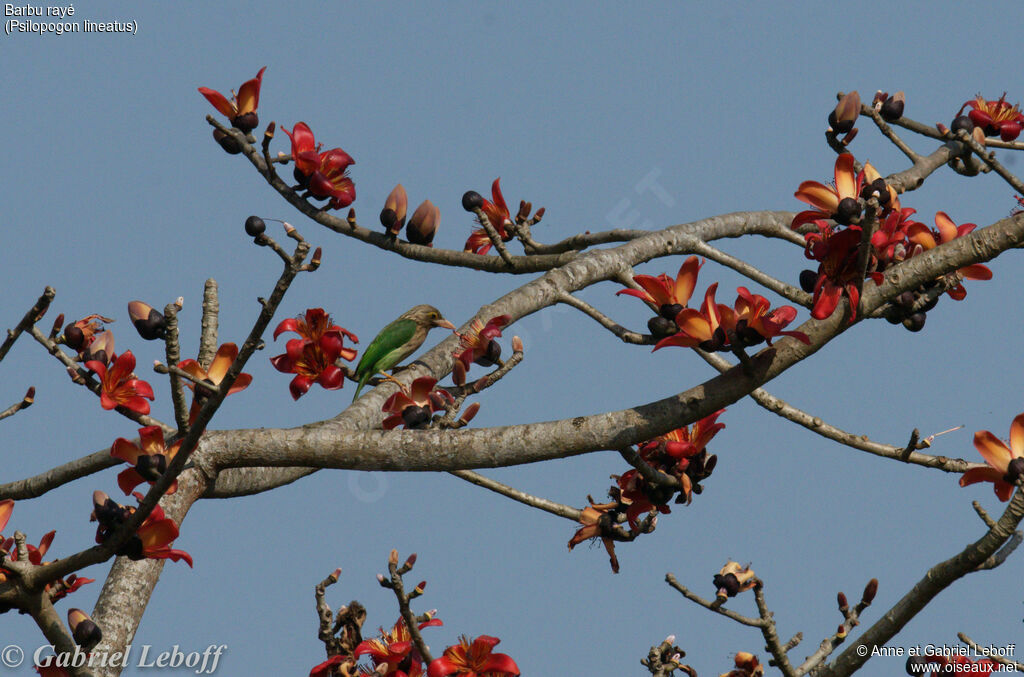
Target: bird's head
[(427, 316)]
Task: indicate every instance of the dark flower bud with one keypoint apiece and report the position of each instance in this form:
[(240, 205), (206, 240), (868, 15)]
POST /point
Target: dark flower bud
[(658, 495), (392, 217), (151, 466), (203, 392), (906, 299), (227, 142), (423, 224), (870, 590), (843, 117), (808, 280), (841, 601), (915, 322), (892, 108), (848, 211), (300, 178), (729, 583), (491, 355), (416, 417), (74, 337), (85, 631), (962, 122), (670, 310), (660, 327), (930, 304), (246, 122), (472, 201), (132, 549), (147, 320), (254, 226), (1015, 470)]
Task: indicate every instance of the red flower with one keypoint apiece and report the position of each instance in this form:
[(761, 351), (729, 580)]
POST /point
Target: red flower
[(413, 408), (119, 386), (639, 497), (312, 357), (473, 659), (681, 443), (890, 240), (153, 538), (920, 234), (241, 109), (837, 251), (497, 215), (395, 648), (324, 174), (661, 290), (1006, 464), (213, 375), (996, 117), (57, 589), (149, 459), (327, 668), (478, 345), (826, 199)]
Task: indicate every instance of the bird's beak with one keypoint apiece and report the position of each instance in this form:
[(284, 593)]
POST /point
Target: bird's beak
[(441, 322)]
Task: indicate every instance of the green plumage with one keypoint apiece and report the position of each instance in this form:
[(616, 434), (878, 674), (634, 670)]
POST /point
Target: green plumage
[(397, 341)]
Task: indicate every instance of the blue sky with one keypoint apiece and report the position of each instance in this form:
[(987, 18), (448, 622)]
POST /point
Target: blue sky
[(114, 191)]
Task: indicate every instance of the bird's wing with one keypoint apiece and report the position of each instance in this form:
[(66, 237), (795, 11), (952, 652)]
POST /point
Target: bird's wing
[(385, 350)]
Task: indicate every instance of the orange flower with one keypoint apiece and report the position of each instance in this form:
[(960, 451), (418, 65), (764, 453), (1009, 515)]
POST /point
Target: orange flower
[(213, 375), (1005, 464), (661, 290), (593, 519), (153, 538), (149, 459), (241, 109), (920, 234), (119, 386), (837, 202)]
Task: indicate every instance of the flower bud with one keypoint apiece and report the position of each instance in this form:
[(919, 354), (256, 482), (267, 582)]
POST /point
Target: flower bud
[(470, 412), (85, 631), (230, 145), (393, 557), (423, 224), (392, 217), (148, 322), (845, 114), (459, 373), (870, 590), (892, 108), (517, 344), (472, 201), (254, 226)]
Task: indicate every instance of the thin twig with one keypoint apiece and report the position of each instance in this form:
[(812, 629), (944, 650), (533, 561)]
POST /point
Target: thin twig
[(34, 314), (544, 504)]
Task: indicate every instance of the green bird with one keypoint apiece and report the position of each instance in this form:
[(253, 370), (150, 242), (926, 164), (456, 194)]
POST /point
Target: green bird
[(397, 341)]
